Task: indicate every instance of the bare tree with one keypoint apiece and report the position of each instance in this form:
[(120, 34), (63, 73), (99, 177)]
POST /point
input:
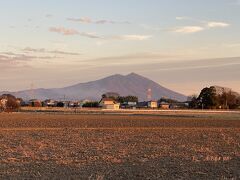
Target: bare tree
[(9, 103)]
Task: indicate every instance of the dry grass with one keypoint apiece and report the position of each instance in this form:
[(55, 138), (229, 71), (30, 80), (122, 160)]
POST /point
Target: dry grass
[(119, 147)]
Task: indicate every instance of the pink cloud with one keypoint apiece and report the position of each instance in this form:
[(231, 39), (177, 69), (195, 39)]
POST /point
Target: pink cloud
[(88, 20), (64, 31)]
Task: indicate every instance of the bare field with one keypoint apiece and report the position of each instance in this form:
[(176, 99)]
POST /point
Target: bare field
[(120, 146)]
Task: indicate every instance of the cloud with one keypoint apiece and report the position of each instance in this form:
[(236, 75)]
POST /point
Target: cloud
[(208, 24), (205, 26), (90, 35), (188, 29), (182, 18), (64, 53), (68, 32), (136, 58), (128, 37), (63, 31), (88, 20), (217, 24), (8, 63), (82, 20), (28, 49), (11, 57), (133, 37), (42, 50)]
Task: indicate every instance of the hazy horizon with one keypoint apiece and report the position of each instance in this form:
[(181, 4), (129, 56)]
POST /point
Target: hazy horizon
[(184, 46)]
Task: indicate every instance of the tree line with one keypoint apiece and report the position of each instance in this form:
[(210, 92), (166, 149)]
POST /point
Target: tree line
[(121, 99), (210, 99)]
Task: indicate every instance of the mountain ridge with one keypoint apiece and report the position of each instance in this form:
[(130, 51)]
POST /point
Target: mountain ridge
[(130, 84)]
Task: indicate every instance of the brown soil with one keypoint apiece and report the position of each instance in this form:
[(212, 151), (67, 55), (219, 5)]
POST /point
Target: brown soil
[(171, 146)]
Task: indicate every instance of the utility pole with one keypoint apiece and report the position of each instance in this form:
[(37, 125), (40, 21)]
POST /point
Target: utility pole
[(202, 102), (226, 103), (149, 94), (32, 91)]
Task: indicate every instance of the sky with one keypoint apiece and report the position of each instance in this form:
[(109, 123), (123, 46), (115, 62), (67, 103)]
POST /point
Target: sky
[(183, 45)]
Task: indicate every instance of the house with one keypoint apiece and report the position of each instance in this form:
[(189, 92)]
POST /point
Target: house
[(74, 104), (129, 104), (109, 103), (148, 104), (173, 105), (106, 101), (50, 103), (112, 106), (152, 104), (143, 104), (179, 105), (164, 105), (35, 103)]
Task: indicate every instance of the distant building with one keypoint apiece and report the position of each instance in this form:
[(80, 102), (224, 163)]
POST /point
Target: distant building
[(179, 105), (106, 101), (74, 104), (35, 103), (173, 105), (109, 103), (143, 104), (148, 104), (129, 104), (164, 105), (61, 104), (152, 104), (50, 103), (112, 106)]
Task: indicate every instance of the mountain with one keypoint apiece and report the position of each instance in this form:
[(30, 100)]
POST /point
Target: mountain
[(131, 84)]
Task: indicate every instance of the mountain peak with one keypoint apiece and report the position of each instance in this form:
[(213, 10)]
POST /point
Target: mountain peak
[(135, 75), (115, 76), (132, 74)]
